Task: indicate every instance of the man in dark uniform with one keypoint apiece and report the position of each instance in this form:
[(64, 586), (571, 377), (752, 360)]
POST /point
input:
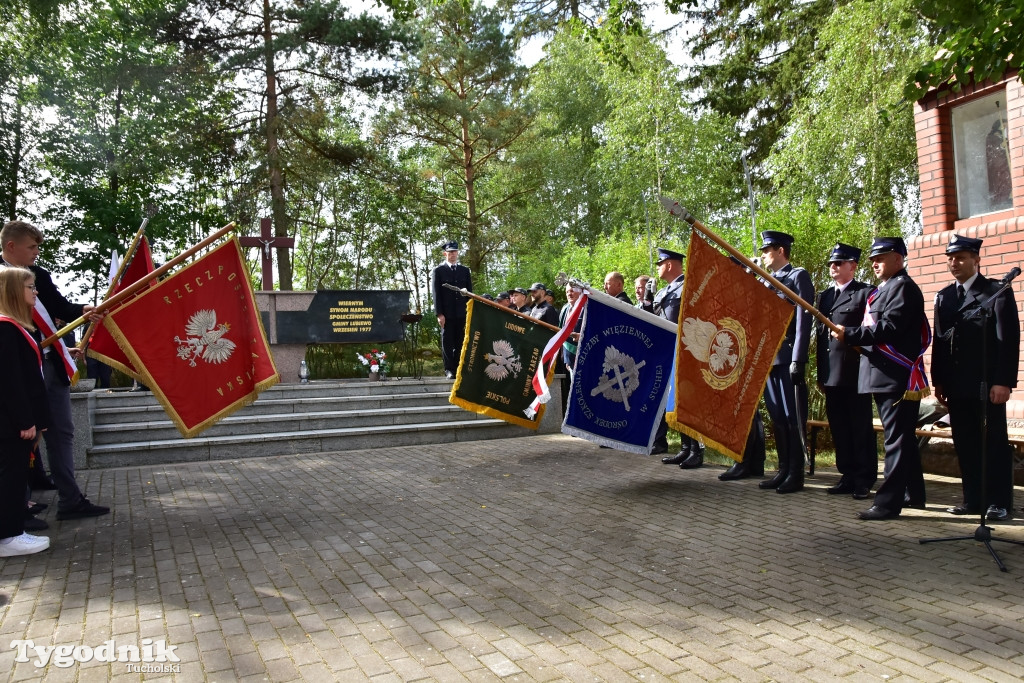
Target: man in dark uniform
[(450, 306), (786, 393), (961, 343), (896, 330), (520, 300), (848, 410), (542, 310), (667, 304), (20, 242)]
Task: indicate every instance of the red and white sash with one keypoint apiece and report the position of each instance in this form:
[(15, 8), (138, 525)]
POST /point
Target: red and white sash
[(31, 341)]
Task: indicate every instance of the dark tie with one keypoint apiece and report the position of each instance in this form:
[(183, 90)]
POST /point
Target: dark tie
[(960, 294)]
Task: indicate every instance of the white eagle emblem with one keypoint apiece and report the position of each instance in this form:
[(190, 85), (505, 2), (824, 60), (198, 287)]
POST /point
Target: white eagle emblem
[(722, 348), (502, 361), (205, 339)]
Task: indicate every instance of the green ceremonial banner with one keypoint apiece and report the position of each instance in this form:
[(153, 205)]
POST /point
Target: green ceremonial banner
[(499, 358)]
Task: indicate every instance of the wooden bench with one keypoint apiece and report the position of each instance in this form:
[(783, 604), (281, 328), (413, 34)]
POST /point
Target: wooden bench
[(1016, 438)]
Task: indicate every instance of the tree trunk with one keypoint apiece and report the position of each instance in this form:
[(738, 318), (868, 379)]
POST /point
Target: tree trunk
[(474, 254), (277, 205)]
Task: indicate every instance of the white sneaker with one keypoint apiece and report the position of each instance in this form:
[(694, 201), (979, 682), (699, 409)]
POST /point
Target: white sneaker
[(26, 544)]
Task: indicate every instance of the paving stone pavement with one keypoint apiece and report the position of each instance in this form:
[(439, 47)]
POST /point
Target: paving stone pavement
[(533, 559)]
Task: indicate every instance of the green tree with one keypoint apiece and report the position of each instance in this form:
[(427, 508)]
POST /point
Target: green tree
[(466, 101), (751, 58), (850, 144), (285, 55), (979, 39), (128, 124)]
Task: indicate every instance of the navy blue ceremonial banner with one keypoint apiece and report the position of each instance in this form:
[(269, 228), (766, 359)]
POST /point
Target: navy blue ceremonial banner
[(623, 370)]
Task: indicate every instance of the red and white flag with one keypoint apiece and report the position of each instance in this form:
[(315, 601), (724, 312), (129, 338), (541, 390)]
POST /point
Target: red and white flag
[(101, 345), (197, 341)]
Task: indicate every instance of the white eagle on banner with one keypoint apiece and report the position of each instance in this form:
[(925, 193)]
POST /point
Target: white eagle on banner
[(722, 348), (205, 339), (502, 361)]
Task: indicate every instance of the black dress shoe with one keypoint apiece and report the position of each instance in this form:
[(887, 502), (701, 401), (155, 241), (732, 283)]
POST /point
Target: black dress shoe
[(875, 512), (678, 458), (962, 510), (35, 508), (695, 460), (861, 493), (774, 482), (739, 470), (790, 485), (841, 487)]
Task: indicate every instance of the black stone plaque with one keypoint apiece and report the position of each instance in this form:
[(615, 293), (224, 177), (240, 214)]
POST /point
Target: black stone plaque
[(340, 316)]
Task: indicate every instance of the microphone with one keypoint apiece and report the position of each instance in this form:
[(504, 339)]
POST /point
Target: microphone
[(1008, 278)]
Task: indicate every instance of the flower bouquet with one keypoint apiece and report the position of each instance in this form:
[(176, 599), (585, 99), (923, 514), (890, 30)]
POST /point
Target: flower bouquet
[(376, 360)]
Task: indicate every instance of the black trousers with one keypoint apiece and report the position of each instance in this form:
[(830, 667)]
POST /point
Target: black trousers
[(14, 455), (452, 335), (753, 451), (903, 475), (787, 422), (849, 418), (965, 420)]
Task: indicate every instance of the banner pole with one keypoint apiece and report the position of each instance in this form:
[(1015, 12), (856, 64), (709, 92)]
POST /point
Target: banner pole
[(138, 285), (121, 268), (680, 212), (471, 295)]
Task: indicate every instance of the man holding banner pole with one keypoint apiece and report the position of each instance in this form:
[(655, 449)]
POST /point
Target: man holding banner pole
[(20, 242), (896, 329), (786, 393), (667, 305)]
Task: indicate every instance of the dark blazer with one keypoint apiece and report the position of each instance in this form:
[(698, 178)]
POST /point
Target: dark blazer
[(838, 364), (898, 312), (56, 305), (798, 334), (451, 305), (23, 401), (623, 297), (956, 354)]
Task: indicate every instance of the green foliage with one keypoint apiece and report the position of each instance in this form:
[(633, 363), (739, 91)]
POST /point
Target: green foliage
[(850, 143), (751, 58), (815, 232), (979, 40)]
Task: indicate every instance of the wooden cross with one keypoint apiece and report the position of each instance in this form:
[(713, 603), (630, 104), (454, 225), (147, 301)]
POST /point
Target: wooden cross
[(267, 242)]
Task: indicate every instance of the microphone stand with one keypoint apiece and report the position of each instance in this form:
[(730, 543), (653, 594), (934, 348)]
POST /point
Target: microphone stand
[(983, 534)]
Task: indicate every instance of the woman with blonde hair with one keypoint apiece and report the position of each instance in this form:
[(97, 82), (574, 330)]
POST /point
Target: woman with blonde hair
[(23, 408)]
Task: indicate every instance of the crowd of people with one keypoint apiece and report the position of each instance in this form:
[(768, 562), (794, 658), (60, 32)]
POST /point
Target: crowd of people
[(35, 394), (871, 352)]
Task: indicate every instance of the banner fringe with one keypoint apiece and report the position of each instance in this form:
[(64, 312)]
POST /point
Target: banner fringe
[(603, 441)]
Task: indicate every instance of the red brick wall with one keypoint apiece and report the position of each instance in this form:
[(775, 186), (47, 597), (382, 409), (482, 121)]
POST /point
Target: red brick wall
[(1002, 231)]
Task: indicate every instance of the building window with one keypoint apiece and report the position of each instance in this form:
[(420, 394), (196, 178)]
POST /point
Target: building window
[(982, 156)]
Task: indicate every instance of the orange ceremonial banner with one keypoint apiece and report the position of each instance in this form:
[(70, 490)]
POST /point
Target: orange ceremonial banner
[(730, 327), (197, 341)]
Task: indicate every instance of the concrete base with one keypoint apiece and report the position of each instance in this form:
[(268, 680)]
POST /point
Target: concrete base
[(287, 357)]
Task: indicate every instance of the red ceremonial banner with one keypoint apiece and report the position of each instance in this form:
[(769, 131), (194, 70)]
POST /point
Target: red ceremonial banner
[(101, 345), (730, 327), (197, 340)]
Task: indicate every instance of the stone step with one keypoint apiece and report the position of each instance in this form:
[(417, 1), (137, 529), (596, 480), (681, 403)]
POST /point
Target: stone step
[(257, 426), (149, 410), (327, 388), (204, 448)]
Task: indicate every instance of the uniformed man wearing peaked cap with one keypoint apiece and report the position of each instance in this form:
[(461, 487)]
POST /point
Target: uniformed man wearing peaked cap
[(786, 392), (848, 411), (973, 353), (896, 329), (667, 305), (450, 306)]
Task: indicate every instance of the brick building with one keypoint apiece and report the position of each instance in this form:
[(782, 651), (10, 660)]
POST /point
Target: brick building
[(970, 150)]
